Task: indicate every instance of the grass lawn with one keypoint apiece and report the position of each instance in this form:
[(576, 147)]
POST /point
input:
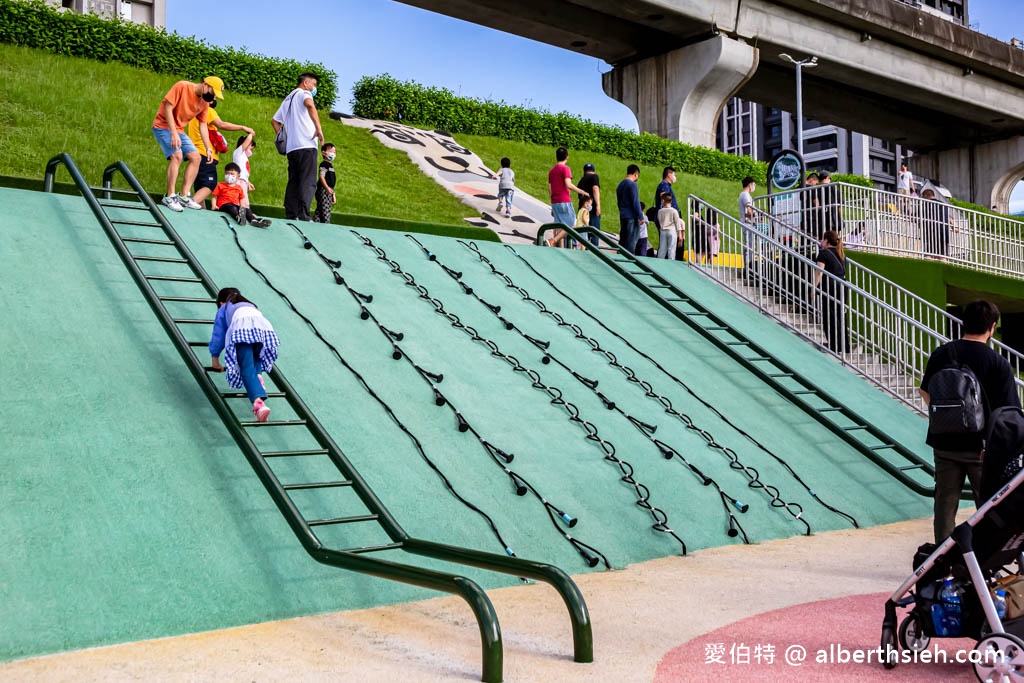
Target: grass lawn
[(531, 162), (108, 115)]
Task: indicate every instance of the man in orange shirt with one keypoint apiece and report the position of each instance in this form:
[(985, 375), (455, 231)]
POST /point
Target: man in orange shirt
[(182, 103)]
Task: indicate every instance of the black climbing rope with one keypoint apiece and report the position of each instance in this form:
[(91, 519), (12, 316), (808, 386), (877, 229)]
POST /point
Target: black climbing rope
[(750, 472), (555, 394), (369, 390), (647, 430), (501, 457)]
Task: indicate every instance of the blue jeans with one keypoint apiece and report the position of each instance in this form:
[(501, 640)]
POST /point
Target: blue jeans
[(248, 360), (595, 222), (163, 137), (505, 197), (629, 233)]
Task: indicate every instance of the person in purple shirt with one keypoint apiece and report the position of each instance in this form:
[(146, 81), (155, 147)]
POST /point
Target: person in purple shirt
[(631, 215)]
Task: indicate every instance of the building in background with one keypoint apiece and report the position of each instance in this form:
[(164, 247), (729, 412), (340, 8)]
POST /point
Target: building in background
[(954, 10), (152, 12), (751, 129)]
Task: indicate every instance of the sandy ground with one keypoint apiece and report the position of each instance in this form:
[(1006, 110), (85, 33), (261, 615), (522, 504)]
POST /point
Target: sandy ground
[(639, 614)]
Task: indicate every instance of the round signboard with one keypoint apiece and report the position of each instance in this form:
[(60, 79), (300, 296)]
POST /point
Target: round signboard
[(786, 170)]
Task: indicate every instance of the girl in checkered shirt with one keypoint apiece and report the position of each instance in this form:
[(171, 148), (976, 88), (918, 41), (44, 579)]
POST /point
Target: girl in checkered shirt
[(249, 344)]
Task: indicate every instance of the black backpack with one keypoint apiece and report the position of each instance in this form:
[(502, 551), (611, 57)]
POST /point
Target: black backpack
[(956, 404)]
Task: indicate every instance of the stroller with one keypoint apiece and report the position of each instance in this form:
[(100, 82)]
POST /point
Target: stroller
[(976, 555)]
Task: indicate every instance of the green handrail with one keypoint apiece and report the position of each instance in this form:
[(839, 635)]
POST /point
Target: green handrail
[(470, 591), (834, 405)]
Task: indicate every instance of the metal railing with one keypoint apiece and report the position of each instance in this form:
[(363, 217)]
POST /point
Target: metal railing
[(900, 225), (871, 325), (925, 312), (805, 393), (353, 559)]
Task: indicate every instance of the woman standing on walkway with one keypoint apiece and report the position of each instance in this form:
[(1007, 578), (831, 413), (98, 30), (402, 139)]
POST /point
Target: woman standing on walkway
[(833, 292)]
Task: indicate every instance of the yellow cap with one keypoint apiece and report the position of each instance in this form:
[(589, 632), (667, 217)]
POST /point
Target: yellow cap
[(216, 84)]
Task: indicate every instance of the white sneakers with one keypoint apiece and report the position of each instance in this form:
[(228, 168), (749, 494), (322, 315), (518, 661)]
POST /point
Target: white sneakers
[(186, 200), (172, 203), (176, 202)]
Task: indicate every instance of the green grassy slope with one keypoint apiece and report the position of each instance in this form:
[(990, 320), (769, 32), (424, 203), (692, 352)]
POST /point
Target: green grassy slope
[(102, 112), (532, 162)]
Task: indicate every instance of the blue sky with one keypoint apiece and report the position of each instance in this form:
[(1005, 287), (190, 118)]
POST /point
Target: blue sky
[(368, 37)]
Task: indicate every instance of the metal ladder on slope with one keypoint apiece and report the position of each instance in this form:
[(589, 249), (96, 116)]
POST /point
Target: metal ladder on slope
[(847, 424), (284, 494)]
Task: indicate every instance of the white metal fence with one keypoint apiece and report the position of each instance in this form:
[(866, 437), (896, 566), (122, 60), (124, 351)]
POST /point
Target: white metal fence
[(886, 223), (871, 324)]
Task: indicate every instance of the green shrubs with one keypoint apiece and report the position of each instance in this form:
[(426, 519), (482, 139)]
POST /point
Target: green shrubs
[(32, 23), (384, 97)]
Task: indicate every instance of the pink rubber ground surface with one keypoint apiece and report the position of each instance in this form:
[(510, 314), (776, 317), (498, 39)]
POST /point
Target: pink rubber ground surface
[(742, 651)]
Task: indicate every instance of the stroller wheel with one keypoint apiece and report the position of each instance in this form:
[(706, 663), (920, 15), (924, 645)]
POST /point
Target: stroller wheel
[(890, 647), (911, 634), (1001, 658)]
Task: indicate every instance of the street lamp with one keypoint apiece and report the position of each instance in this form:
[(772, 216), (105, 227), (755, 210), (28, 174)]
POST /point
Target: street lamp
[(808, 63)]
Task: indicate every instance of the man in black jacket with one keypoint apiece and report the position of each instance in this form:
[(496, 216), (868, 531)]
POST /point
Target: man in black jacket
[(958, 456)]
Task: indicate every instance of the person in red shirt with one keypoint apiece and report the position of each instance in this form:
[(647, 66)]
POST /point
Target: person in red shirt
[(560, 182), (228, 197), (182, 103)]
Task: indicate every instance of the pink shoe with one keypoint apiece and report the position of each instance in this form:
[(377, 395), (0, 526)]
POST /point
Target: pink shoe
[(260, 410)]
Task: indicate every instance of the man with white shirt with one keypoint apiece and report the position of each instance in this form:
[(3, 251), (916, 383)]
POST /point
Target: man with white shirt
[(298, 115)]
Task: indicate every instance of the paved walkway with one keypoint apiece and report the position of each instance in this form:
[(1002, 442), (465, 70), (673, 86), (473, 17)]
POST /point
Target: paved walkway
[(654, 621)]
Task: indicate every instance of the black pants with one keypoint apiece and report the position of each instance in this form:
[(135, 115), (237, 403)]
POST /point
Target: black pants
[(950, 473), (833, 318), (233, 209), (298, 195), (207, 176)]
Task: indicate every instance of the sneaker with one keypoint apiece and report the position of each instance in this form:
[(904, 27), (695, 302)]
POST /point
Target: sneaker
[(508, 214), (500, 206), (260, 222), (186, 200), (171, 203), (241, 216), (260, 410)]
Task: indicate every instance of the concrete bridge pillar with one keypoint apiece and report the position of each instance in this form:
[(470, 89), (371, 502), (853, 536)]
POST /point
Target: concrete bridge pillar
[(679, 95), (984, 174)]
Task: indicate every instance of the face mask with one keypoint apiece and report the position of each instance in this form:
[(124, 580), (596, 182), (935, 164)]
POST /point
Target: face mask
[(313, 91), (230, 179), (330, 157), (209, 96)]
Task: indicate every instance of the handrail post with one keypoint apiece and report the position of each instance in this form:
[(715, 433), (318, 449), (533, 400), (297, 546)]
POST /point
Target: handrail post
[(461, 586)]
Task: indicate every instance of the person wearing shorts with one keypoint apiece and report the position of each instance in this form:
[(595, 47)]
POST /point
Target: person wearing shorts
[(182, 103)]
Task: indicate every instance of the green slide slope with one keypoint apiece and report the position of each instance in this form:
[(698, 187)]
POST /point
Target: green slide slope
[(130, 514)]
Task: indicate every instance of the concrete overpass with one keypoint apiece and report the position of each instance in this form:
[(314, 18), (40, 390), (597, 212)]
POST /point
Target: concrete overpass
[(953, 95)]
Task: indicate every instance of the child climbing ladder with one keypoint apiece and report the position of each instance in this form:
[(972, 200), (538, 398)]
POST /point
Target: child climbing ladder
[(249, 344)]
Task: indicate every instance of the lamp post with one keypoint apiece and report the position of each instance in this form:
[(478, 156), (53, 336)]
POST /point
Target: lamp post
[(800, 65)]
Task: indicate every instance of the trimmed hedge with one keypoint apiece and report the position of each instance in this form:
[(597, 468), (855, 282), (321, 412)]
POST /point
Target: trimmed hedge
[(384, 97), (32, 23)]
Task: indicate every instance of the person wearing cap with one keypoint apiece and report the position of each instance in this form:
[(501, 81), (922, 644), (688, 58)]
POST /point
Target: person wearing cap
[(591, 184), (207, 175), (182, 103)]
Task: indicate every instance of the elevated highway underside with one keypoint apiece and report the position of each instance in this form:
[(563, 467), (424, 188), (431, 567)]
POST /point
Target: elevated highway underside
[(885, 68)]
